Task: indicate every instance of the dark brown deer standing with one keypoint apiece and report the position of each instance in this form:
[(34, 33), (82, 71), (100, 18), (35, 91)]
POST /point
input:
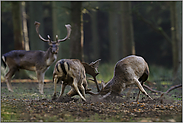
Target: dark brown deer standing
[(129, 70), (38, 61)]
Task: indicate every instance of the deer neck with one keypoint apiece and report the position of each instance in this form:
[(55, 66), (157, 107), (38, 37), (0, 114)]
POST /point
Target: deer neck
[(111, 82), (50, 57), (114, 84)]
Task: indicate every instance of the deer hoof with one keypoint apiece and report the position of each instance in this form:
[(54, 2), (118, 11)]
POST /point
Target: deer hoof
[(54, 97)]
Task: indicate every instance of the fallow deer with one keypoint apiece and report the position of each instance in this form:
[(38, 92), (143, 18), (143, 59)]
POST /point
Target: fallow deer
[(92, 69), (129, 70), (73, 72), (38, 61)]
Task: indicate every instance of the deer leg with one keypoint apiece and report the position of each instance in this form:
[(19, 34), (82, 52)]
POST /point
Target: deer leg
[(138, 96), (55, 80), (75, 85), (141, 88), (106, 95), (40, 77), (95, 80), (61, 92), (72, 92), (82, 89), (8, 77), (139, 93), (62, 89)]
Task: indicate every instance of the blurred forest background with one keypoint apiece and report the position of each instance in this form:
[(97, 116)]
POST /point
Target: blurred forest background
[(106, 30)]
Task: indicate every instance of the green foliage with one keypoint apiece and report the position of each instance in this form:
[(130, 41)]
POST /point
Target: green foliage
[(159, 72), (106, 72), (162, 77), (49, 72)]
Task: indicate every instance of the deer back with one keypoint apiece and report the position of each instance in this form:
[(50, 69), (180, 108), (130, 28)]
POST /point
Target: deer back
[(130, 67), (22, 59), (69, 68)]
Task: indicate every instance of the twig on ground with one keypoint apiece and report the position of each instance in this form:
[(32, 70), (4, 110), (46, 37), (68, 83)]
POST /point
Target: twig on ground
[(154, 91), (172, 88)]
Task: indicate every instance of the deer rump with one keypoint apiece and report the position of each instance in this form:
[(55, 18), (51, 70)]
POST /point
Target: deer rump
[(70, 72)]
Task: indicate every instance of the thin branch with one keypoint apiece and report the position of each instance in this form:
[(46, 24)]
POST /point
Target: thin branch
[(154, 91), (172, 88)]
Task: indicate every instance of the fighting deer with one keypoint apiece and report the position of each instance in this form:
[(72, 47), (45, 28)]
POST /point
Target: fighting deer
[(129, 70), (38, 61), (73, 72), (92, 69)]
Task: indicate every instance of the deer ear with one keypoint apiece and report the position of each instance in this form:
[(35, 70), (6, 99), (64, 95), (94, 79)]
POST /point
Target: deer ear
[(95, 64)]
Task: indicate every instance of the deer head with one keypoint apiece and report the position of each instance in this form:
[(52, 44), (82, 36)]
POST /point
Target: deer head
[(53, 44), (91, 69)]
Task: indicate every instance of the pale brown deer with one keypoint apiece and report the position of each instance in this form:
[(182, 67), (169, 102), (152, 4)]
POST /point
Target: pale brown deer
[(129, 70), (38, 61), (73, 72)]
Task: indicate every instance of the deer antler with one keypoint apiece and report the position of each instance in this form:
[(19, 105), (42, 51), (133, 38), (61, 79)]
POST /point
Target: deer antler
[(68, 26), (37, 24), (91, 69)]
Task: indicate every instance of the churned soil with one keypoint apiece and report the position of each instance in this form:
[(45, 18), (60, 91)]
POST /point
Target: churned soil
[(165, 109)]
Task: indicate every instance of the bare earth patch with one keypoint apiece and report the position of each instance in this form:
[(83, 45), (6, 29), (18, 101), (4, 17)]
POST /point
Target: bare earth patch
[(31, 109)]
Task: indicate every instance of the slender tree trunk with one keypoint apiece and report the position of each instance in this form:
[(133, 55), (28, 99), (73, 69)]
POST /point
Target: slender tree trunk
[(61, 16), (17, 28), (82, 39), (128, 44), (95, 37), (179, 35), (36, 14), (114, 32), (76, 46), (24, 26), (175, 37)]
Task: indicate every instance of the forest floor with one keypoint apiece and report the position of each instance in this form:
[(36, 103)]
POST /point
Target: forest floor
[(27, 105)]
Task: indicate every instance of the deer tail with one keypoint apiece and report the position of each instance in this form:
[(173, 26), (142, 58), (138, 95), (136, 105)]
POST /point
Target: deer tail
[(4, 60)]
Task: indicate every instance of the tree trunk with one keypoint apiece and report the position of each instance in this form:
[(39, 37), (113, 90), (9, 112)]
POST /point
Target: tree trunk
[(76, 46), (18, 34), (61, 16), (17, 28), (36, 14), (114, 32), (179, 36), (128, 44), (175, 36), (24, 26), (95, 37)]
